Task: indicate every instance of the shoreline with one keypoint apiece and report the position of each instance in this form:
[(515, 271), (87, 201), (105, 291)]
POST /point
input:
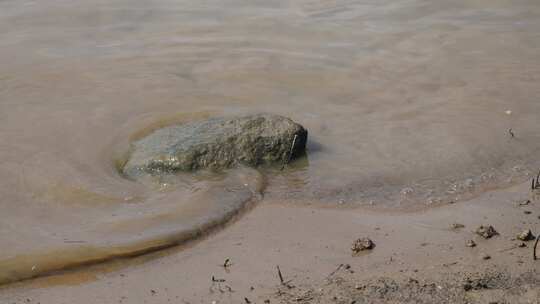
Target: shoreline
[(309, 243)]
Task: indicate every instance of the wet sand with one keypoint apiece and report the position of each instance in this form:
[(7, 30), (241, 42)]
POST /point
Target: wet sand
[(309, 244)]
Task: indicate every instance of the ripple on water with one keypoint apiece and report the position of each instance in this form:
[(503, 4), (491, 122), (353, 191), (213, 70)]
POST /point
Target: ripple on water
[(178, 209)]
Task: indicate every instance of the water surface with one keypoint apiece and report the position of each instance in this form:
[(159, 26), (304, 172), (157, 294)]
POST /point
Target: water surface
[(408, 103)]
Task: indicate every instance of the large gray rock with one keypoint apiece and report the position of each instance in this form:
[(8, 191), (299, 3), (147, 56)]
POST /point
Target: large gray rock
[(217, 143)]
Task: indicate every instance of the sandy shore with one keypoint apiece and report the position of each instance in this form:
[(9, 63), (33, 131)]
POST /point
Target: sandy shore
[(418, 257)]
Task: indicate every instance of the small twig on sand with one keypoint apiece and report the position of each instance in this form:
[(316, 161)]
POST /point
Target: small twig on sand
[(336, 270), (509, 248), (247, 301), (288, 160), (282, 281), (534, 247), (280, 275), (536, 182), (218, 283), (227, 263), (511, 133)]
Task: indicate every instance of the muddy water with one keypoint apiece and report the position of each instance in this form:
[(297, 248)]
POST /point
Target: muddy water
[(408, 103)]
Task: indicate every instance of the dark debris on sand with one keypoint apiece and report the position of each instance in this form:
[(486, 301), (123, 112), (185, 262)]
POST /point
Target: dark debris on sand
[(456, 288), (486, 231)]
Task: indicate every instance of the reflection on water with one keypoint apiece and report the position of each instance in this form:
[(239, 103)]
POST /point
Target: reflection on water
[(407, 102)]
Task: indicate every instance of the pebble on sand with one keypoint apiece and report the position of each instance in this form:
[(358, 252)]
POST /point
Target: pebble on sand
[(486, 231), (526, 235), (362, 244), (471, 243)]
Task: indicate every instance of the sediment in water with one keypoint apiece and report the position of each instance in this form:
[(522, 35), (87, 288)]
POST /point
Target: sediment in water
[(126, 235)]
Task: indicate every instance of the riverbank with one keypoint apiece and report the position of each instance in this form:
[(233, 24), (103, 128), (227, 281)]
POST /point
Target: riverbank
[(418, 257)]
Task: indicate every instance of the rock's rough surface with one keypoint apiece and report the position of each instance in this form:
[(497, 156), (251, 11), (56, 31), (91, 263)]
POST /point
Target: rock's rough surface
[(217, 143)]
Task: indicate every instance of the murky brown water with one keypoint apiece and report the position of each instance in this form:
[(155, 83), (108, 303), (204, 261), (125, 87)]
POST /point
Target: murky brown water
[(408, 103)]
